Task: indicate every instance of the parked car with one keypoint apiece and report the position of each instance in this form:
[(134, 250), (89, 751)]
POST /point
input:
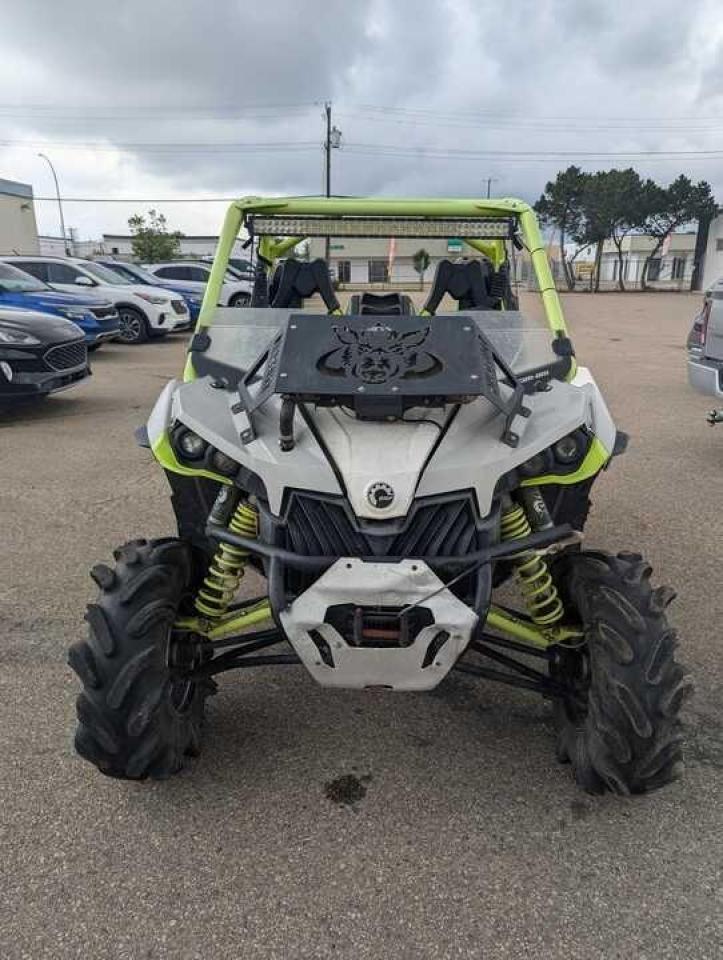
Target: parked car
[(705, 347), (243, 267), (240, 267), (144, 311), (97, 318), (136, 274), (235, 292), (39, 354)]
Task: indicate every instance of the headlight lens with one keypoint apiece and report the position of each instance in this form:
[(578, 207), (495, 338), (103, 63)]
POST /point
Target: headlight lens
[(74, 313), (567, 450), (18, 338), (534, 466), (191, 445), (225, 465), (152, 298)]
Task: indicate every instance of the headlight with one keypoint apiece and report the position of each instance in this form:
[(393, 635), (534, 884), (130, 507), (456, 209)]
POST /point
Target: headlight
[(568, 449), (224, 464), (18, 338), (192, 446), (152, 298), (534, 466), (74, 313), (562, 457)]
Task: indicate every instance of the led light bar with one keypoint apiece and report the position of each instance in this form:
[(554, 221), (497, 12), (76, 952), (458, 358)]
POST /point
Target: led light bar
[(443, 228)]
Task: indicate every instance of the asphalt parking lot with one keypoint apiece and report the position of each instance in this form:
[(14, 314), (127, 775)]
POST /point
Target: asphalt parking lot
[(466, 838)]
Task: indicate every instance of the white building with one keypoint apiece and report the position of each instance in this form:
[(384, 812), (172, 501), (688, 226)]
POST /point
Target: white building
[(671, 268), (713, 264), (192, 247), (56, 246), (360, 261), (18, 227)]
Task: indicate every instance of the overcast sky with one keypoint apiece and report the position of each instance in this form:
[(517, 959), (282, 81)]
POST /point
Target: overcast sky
[(182, 98)]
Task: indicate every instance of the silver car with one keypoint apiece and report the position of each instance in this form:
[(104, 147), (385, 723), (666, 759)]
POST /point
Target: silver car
[(705, 348)]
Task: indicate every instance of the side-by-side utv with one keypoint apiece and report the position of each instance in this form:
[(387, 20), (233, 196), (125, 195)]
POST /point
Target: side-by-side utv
[(386, 471)]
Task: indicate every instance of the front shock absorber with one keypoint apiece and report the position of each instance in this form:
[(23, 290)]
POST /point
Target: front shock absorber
[(226, 569), (538, 589)]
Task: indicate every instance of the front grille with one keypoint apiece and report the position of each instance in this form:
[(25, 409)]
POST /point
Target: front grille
[(438, 530), (179, 306), (322, 528), (102, 312), (437, 527), (66, 356)]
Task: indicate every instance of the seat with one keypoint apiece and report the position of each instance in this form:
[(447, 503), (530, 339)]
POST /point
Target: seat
[(294, 281), (472, 283), (381, 304)]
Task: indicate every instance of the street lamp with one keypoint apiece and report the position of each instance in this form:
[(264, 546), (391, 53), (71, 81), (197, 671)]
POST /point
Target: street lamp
[(60, 205)]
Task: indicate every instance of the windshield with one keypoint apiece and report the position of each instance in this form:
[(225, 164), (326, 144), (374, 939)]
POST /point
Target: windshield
[(105, 275), (523, 342), (13, 280)]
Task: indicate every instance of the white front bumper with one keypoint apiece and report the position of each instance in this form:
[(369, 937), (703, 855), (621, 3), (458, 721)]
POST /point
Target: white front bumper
[(398, 585), (164, 317)]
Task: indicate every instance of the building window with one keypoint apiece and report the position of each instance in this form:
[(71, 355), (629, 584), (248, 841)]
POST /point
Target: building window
[(378, 271), (677, 269), (719, 243), (114, 250), (654, 269), (343, 271)]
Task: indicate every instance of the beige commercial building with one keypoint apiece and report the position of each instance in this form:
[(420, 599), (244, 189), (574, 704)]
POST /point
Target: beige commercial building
[(18, 228)]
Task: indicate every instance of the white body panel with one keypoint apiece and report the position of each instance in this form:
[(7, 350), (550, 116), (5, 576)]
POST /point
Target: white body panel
[(379, 584), (470, 455), (366, 452)]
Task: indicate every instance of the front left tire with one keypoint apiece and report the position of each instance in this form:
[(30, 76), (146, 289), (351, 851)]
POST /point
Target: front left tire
[(619, 725), (137, 716), (133, 326)]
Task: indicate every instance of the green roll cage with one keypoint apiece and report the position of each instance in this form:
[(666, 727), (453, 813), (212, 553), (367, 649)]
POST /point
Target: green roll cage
[(271, 248)]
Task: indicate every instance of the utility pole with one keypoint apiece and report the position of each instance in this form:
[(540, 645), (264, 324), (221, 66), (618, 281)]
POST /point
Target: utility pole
[(60, 204), (489, 181), (332, 141)]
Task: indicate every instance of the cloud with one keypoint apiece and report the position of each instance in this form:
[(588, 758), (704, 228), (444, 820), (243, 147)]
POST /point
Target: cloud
[(421, 90)]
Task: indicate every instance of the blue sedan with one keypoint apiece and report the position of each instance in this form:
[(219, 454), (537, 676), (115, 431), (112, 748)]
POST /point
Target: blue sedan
[(97, 318)]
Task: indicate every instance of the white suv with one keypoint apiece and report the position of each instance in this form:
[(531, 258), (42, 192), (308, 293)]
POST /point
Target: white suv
[(144, 311), (236, 292)]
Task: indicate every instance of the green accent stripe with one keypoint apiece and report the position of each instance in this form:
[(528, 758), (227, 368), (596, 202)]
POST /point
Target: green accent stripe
[(163, 452), (595, 459)]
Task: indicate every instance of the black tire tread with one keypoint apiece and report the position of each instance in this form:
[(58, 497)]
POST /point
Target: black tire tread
[(127, 725), (630, 740)]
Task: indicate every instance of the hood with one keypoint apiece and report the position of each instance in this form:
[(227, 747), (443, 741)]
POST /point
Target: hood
[(51, 298), (183, 286), (44, 326), (123, 289)]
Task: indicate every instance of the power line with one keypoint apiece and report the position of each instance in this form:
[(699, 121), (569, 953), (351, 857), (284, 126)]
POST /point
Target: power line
[(164, 146), (369, 149)]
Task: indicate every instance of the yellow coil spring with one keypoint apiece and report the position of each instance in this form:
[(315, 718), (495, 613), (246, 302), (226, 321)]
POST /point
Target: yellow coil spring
[(227, 567), (538, 590)]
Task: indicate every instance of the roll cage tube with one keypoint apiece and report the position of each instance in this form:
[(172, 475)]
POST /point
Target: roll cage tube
[(272, 248)]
